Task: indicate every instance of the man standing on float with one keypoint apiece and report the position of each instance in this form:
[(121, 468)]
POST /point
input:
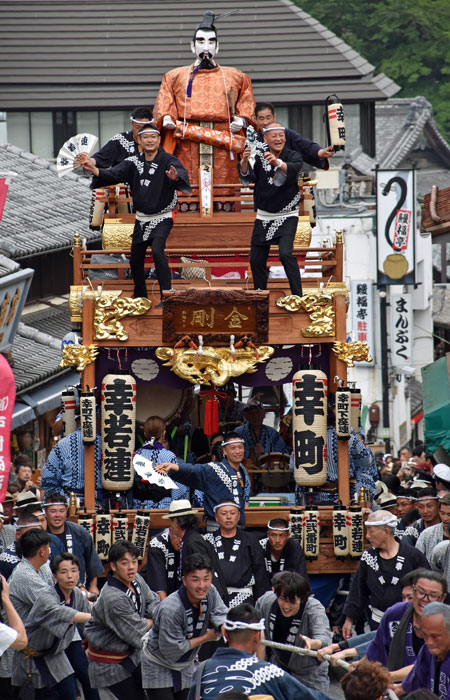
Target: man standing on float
[(205, 93)]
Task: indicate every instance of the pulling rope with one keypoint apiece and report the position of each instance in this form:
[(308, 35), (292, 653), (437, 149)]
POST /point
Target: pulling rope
[(303, 652)]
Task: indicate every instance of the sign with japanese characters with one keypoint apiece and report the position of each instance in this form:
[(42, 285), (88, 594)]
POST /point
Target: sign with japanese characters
[(309, 421), (88, 418), (13, 293), (362, 316), (103, 535), (139, 537), (118, 431), (7, 398), (356, 534), (310, 525), (343, 413), (340, 532), (401, 329), (216, 314), (396, 195)]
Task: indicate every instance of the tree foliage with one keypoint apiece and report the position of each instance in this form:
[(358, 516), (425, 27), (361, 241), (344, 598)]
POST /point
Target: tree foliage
[(409, 40)]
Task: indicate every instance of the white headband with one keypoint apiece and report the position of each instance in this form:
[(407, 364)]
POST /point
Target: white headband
[(137, 121), (274, 128), (55, 503), (238, 625), (150, 130), (407, 498), (281, 529), (231, 441), (223, 505), (428, 498), (22, 527), (389, 519)]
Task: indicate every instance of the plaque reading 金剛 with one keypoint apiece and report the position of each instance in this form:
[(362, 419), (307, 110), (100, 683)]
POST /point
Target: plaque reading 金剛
[(216, 314)]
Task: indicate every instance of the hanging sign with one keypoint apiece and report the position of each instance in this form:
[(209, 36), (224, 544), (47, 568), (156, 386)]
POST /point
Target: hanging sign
[(362, 317), (141, 528), (310, 389), (118, 431), (7, 398), (343, 413), (310, 525), (340, 532), (103, 535), (68, 407), (88, 417), (355, 527), (401, 329), (396, 226)]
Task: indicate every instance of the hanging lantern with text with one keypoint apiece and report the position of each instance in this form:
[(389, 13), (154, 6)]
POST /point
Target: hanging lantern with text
[(309, 420), (119, 528), (356, 534), (103, 535), (356, 409), (340, 532), (68, 406), (141, 528), (118, 431), (343, 413), (88, 417), (310, 526), (335, 123)]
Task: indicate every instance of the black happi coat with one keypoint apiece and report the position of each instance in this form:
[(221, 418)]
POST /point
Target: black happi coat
[(152, 191), (292, 558), (118, 148), (275, 192)]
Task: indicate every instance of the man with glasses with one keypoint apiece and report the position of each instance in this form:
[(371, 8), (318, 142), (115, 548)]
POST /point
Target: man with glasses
[(432, 667), (398, 639)]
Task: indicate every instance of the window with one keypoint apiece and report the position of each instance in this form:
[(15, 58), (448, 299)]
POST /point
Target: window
[(18, 129), (41, 134)]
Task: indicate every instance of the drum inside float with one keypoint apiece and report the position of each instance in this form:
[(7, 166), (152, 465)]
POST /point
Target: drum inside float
[(158, 400)]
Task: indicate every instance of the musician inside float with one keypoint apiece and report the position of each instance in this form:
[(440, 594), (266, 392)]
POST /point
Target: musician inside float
[(126, 143), (275, 174), (154, 177), (293, 616), (259, 438), (281, 552), (220, 97), (150, 496), (240, 558), (231, 410), (362, 469), (310, 151)]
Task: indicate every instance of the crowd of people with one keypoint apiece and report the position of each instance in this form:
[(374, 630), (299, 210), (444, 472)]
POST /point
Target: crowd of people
[(199, 607)]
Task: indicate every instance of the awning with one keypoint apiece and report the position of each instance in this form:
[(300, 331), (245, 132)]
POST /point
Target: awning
[(45, 398)]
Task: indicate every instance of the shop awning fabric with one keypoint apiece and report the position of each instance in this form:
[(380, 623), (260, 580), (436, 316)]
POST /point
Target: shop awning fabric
[(42, 399), (436, 404)]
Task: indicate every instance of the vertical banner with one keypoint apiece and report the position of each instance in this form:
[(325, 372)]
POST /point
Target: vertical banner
[(311, 530), (103, 528), (343, 413), (309, 422), (118, 431), (401, 329), (340, 532), (7, 398), (3, 193), (362, 316), (396, 226)]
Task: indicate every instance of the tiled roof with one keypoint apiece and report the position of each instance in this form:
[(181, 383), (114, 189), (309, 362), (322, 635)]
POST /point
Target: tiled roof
[(36, 358), (42, 211), (111, 53), (7, 266), (55, 321)]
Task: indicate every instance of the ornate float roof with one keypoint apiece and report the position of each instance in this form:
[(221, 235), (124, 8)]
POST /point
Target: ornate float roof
[(79, 54)]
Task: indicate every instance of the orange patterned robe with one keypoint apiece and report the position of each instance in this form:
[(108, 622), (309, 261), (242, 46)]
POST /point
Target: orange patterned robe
[(210, 102)]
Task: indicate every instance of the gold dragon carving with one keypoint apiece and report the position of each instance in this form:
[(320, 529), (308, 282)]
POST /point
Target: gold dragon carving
[(214, 365), (78, 356), (352, 352), (110, 308), (320, 309)]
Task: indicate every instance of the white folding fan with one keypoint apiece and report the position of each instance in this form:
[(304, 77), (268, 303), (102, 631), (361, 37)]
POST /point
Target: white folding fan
[(81, 143)]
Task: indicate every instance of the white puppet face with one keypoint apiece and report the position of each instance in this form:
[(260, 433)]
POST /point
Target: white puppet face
[(205, 44)]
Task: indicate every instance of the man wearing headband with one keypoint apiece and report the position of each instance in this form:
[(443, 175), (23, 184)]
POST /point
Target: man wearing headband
[(431, 536), (237, 668), (310, 151), (240, 559), (276, 199), (125, 144), (227, 479), (220, 97), (427, 503), (75, 539), (154, 177), (186, 619), (376, 583), (406, 510), (281, 552)]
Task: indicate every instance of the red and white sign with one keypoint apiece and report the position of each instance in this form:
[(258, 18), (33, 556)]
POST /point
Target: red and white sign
[(7, 398)]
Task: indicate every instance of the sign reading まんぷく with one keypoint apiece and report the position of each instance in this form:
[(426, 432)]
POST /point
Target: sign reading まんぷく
[(216, 314)]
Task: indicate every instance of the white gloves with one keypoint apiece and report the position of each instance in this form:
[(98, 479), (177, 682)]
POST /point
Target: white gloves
[(237, 123), (168, 123)]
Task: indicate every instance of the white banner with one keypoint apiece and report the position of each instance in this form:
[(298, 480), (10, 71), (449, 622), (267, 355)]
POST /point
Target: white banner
[(395, 226), (361, 302), (401, 329)]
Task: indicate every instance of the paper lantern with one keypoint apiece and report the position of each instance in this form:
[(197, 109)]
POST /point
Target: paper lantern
[(141, 528), (340, 532), (87, 522), (68, 406), (119, 528), (310, 526), (118, 431), (103, 535), (88, 417), (356, 409), (343, 413), (295, 525), (355, 531), (309, 420), (335, 122)]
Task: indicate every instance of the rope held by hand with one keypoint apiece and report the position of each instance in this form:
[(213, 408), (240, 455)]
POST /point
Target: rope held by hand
[(303, 652)]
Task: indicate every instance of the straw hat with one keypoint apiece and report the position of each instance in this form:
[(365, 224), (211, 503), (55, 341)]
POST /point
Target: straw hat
[(27, 498), (178, 508)]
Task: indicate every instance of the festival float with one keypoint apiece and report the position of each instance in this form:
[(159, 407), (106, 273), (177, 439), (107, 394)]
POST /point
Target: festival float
[(212, 328)]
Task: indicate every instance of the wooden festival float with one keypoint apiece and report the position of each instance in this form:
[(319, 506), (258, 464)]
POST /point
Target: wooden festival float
[(211, 331)]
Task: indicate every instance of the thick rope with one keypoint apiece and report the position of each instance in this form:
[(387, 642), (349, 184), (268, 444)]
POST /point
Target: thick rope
[(302, 652)]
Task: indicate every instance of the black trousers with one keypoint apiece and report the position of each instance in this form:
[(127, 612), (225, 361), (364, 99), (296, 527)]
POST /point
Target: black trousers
[(130, 688), (258, 263), (166, 694), (137, 260)]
